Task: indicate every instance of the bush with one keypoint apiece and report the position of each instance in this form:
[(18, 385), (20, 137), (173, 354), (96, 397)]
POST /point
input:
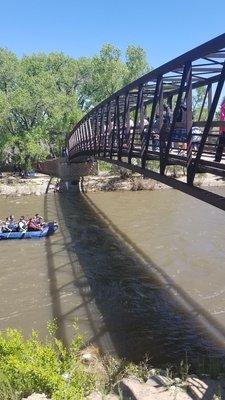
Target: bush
[(30, 365)]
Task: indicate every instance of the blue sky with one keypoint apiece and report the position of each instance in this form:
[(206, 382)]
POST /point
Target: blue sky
[(165, 29)]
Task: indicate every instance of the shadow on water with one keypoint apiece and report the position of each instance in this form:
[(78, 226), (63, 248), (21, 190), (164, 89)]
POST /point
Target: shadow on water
[(127, 304)]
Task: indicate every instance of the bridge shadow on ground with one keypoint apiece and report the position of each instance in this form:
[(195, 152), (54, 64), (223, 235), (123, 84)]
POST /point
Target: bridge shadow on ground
[(123, 302)]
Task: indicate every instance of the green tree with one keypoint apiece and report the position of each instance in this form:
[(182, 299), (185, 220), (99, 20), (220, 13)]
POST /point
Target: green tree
[(43, 96), (106, 73), (136, 63), (40, 108), (9, 68)]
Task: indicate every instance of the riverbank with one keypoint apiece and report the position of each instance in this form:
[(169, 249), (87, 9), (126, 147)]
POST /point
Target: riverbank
[(41, 184), (13, 185), (77, 373)]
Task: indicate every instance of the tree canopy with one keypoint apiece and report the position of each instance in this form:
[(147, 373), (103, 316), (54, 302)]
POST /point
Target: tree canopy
[(42, 96)]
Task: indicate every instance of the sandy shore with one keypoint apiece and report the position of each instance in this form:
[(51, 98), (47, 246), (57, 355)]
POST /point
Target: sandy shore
[(11, 185), (40, 184)]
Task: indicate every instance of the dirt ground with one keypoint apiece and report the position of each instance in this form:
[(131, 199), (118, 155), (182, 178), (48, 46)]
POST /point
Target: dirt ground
[(11, 185)]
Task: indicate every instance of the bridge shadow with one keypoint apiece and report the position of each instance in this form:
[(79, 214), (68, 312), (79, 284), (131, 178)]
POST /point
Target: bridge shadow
[(123, 302)]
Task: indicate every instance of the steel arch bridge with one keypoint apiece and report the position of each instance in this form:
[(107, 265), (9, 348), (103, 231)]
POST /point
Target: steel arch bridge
[(153, 119)]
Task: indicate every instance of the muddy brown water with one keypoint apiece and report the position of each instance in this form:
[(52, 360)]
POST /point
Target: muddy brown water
[(140, 272)]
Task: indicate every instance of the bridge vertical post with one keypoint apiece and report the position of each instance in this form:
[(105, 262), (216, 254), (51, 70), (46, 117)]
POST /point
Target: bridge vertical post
[(94, 129), (108, 127), (79, 139), (170, 102), (115, 127), (189, 119), (164, 160), (142, 118), (86, 135), (203, 103), (91, 133), (209, 97), (209, 100), (162, 128), (212, 111), (146, 139), (162, 137), (101, 129), (126, 122), (82, 136), (75, 139), (138, 106), (119, 131)]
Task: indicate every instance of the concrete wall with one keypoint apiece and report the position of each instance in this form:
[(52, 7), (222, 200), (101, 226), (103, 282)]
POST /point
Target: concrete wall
[(59, 167)]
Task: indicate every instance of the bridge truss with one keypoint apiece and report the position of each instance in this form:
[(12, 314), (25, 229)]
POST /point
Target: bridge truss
[(143, 119)]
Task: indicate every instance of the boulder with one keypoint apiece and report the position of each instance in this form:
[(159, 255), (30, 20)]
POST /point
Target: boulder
[(206, 388), (94, 396), (133, 389), (36, 396)]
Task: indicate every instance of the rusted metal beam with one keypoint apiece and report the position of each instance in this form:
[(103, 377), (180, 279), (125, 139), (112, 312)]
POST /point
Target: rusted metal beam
[(137, 109), (145, 141), (189, 117), (206, 49), (212, 110), (175, 116), (199, 193), (113, 134), (106, 130)]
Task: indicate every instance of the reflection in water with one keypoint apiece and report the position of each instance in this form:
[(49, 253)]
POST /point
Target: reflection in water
[(86, 273)]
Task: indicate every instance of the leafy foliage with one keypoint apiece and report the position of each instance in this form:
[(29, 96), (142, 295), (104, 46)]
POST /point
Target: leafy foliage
[(29, 365), (43, 96)]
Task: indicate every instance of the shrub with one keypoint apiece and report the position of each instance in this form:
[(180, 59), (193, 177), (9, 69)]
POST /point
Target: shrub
[(30, 365)]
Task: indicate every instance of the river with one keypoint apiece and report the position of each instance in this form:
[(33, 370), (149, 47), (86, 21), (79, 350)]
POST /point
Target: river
[(139, 273)]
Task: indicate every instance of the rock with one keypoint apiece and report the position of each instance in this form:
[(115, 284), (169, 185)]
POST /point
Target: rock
[(207, 389), (159, 380), (132, 389), (98, 396), (177, 381), (36, 396), (66, 376), (94, 396), (87, 358), (152, 382)]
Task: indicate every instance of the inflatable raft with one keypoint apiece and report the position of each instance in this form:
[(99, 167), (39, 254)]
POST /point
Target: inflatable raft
[(48, 230)]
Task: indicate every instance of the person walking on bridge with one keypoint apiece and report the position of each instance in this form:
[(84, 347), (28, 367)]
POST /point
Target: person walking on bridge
[(221, 144)]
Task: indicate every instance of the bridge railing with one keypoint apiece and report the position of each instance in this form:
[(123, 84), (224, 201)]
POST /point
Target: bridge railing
[(154, 118)]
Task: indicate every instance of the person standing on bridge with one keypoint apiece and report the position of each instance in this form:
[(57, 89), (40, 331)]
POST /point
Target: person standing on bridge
[(221, 144)]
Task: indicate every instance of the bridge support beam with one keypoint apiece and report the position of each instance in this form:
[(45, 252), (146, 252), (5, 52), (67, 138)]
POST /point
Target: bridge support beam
[(153, 118), (195, 162)]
